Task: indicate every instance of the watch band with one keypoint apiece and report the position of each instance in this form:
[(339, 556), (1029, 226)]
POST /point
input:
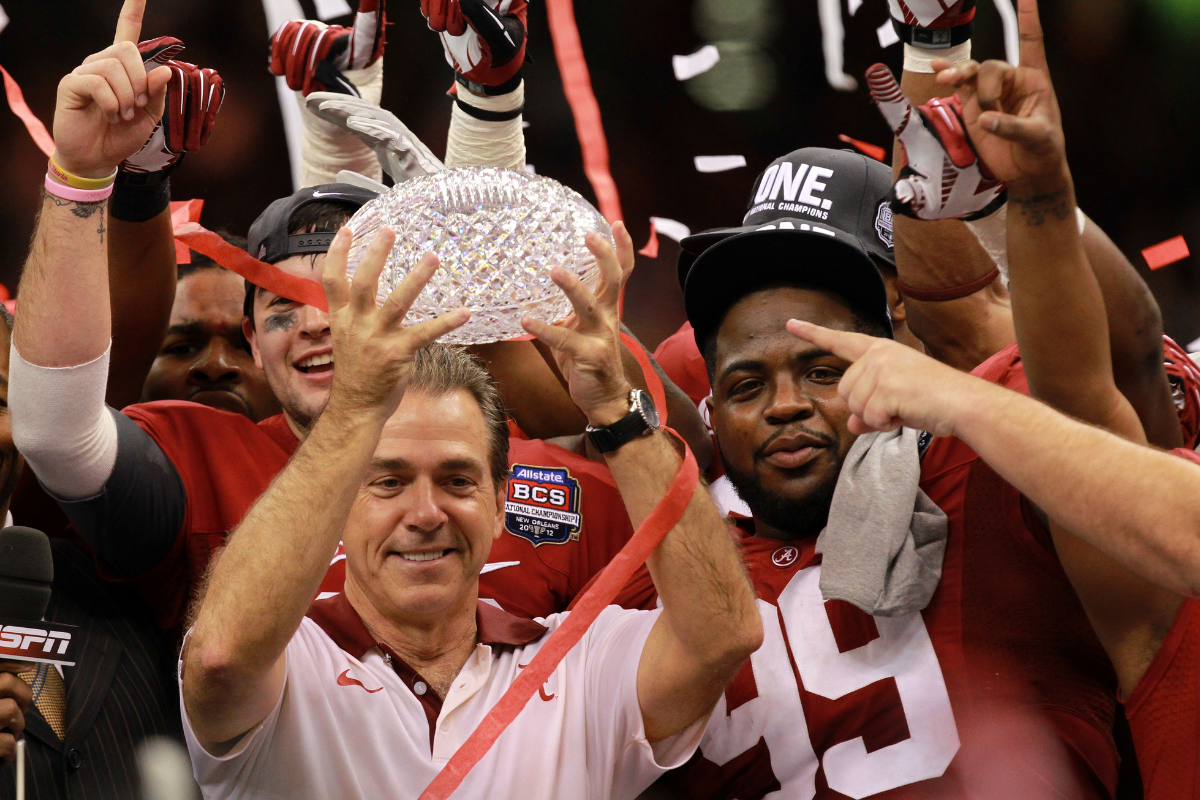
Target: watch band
[(608, 438)]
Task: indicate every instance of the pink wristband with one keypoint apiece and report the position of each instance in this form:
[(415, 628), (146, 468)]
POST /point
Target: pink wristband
[(78, 195)]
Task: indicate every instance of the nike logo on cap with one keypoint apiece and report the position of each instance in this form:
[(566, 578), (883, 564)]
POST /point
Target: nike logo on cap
[(326, 194)]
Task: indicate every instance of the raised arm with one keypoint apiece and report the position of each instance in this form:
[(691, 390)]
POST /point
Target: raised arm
[(141, 244), (710, 623), (233, 661), (106, 110)]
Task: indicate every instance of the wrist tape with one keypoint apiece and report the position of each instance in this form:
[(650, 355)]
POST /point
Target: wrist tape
[(918, 59), (327, 149), (486, 131)]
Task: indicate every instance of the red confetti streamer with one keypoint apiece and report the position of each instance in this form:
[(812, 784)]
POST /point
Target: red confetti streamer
[(235, 259), (16, 101), (873, 150), (577, 86), (183, 212), (651, 248), (1167, 252), (649, 534)]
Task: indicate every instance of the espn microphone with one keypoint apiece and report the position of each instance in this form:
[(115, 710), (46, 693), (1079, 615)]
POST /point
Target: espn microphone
[(26, 572)]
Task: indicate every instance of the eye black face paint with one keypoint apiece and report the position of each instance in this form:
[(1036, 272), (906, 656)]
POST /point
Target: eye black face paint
[(280, 322)]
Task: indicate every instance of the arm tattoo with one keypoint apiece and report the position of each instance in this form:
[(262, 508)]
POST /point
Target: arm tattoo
[(82, 210), (1035, 207)]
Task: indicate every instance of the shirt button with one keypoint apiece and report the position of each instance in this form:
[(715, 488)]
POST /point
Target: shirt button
[(420, 688)]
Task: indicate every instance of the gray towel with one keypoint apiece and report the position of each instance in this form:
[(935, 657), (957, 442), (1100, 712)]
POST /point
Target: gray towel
[(883, 546)]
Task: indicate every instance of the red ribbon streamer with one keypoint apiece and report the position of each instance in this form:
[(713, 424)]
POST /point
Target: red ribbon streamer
[(16, 101), (268, 276), (651, 248), (650, 533), (577, 86), (873, 150), (183, 212), (654, 384), (1164, 253)]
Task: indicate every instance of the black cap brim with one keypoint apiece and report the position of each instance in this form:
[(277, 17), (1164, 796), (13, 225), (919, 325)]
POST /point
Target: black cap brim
[(738, 261)]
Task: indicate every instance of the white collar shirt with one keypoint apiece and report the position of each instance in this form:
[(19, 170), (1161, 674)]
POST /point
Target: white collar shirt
[(354, 721)]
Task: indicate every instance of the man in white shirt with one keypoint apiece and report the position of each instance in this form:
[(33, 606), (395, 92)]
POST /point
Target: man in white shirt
[(375, 689)]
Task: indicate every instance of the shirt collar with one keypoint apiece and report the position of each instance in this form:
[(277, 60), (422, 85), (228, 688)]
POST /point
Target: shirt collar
[(342, 623)]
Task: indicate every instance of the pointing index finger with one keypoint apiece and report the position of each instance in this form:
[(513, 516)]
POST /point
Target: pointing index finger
[(129, 22), (1029, 27), (843, 344)]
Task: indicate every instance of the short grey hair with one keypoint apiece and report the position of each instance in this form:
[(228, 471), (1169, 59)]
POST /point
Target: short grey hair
[(441, 369)]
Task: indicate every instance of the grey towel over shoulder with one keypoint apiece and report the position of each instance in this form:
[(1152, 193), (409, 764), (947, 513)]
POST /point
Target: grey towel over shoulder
[(883, 546)]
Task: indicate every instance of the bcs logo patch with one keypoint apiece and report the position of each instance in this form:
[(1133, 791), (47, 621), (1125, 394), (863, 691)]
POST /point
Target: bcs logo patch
[(542, 505)]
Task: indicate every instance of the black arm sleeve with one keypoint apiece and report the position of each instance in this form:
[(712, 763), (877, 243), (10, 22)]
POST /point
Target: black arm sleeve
[(134, 521)]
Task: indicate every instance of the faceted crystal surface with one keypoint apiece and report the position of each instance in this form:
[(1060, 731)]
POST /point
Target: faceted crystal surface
[(497, 234)]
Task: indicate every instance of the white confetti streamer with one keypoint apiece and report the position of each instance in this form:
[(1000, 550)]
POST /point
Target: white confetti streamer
[(328, 9), (719, 163), (698, 62), (672, 229), (887, 34)]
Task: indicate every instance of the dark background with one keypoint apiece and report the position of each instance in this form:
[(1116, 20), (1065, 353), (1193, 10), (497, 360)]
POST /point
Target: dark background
[(1127, 74)]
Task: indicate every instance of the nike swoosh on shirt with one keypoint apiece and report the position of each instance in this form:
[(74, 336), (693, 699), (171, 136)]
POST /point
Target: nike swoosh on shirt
[(495, 565), (345, 680)]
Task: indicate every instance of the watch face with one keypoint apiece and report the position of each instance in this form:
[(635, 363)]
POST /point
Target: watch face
[(645, 407)]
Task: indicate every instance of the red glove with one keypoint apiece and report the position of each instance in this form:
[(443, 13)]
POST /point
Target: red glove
[(484, 40), (943, 177), (311, 56), (194, 96)]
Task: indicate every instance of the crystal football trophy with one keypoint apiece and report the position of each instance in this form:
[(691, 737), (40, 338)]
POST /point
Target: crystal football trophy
[(497, 233)]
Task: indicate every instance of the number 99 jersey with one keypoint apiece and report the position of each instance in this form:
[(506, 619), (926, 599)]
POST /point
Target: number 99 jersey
[(997, 689), (839, 704)]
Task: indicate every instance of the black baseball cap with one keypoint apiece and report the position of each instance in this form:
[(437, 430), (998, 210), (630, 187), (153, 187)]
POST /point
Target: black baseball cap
[(271, 239), (816, 216)]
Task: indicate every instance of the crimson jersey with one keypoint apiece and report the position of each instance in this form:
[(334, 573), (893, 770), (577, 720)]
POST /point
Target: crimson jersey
[(681, 360), (564, 518), (998, 689), (1164, 709)]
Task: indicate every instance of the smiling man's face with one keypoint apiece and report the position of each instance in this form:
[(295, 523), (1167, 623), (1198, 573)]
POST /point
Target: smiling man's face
[(780, 424), (425, 518), (291, 343)]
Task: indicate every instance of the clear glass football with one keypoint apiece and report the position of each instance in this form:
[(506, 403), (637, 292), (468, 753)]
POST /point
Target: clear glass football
[(497, 234)]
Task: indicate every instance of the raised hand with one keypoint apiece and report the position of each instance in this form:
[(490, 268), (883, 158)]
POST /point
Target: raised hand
[(194, 97), (401, 154), (373, 350), (889, 384), (1011, 113), (484, 40), (942, 178), (311, 55), (109, 105), (587, 344)]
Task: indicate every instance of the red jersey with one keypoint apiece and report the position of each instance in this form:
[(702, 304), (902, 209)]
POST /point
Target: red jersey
[(564, 517), (997, 689), (564, 521), (1164, 709), (680, 358)]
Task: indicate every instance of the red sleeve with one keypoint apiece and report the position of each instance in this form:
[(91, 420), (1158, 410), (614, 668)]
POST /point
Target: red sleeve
[(225, 462), (681, 360), (1164, 712)]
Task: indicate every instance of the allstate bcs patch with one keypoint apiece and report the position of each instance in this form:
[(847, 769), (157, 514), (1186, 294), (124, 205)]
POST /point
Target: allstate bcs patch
[(542, 505)]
